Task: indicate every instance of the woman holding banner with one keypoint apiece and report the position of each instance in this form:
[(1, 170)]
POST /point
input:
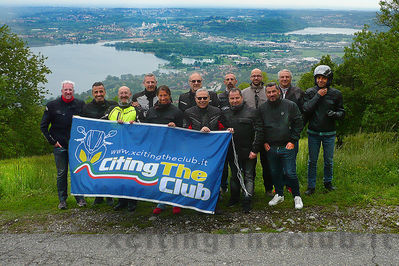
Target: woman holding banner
[(164, 112)]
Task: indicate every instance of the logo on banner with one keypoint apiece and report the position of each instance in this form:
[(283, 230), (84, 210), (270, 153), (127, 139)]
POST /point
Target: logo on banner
[(93, 145)]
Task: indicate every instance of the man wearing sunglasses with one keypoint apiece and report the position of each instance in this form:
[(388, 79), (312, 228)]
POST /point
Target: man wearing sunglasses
[(187, 100), (203, 117)]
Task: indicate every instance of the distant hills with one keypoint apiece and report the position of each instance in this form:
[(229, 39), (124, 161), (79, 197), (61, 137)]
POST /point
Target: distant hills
[(46, 25)]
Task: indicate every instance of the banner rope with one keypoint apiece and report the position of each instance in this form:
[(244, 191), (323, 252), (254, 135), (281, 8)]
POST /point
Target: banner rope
[(239, 174)]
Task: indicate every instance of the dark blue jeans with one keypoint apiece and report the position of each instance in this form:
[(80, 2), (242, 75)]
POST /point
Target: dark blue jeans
[(314, 143), (296, 149), (267, 178), (283, 161), (61, 162)]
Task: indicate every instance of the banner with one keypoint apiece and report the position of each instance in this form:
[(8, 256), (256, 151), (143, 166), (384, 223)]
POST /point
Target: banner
[(148, 162)]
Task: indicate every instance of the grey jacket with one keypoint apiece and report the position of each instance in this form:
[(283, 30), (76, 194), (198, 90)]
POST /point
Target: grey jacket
[(249, 95)]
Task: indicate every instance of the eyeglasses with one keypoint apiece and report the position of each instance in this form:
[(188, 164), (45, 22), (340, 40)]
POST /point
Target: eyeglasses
[(202, 98), (196, 81)]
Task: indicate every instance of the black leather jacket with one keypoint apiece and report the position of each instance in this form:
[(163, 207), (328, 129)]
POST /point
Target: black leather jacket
[(164, 114), (246, 124), (197, 118), (295, 95), (224, 100), (316, 108), (187, 100), (97, 110), (58, 115)]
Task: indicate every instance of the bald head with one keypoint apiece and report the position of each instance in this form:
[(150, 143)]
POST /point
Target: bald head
[(256, 76), (124, 95)]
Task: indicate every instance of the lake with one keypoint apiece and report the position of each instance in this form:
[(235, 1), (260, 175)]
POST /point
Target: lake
[(322, 30), (87, 63)]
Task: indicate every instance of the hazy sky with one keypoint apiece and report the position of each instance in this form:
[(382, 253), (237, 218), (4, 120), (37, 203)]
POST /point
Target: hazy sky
[(327, 4)]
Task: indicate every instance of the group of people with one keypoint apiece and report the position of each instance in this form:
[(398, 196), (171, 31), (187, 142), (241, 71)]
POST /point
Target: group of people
[(265, 119)]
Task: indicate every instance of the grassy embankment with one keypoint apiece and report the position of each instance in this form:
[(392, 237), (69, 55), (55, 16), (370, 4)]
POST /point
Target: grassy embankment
[(366, 171)]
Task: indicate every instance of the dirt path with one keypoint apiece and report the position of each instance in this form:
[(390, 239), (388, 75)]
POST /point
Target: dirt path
[(373, 219)]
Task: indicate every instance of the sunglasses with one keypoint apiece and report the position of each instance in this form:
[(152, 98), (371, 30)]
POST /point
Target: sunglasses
[(202, 98), (196, 81)]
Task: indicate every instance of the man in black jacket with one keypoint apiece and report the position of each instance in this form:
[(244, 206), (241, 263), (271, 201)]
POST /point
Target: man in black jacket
[(187, 100), (146, 99), (96, 109), (243, 122), (58, 115), (288, 91), (292, 93), (99, 105), (282, 126), (203, 117), (323, 105), (230, 82)]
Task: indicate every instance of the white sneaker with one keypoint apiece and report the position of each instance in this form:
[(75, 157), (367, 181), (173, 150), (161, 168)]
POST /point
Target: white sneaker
[(298, 203), (276, 200)]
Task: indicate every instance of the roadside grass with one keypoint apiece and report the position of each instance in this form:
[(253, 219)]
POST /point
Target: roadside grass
[(366, 172)]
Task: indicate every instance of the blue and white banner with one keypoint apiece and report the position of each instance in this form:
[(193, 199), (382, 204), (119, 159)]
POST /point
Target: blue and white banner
[(147, 162)]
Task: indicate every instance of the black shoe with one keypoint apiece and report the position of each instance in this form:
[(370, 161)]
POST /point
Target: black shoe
[(232, 202), (62, 205), (246, 206), (131, 205), (82, 203), (310, 191), (121, 205), (109, 201), (218, 211), (329, 186), (98, 200)]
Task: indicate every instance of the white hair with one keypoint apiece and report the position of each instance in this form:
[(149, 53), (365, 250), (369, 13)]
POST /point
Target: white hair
[(67, 82), (284, 70)]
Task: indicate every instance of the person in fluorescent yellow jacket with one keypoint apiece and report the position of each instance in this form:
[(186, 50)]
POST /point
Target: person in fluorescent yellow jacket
[(124, 112)]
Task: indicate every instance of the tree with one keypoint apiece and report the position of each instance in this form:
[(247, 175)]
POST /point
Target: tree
[(389, 13), (370, 71), (243, 85), (22, 75)]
